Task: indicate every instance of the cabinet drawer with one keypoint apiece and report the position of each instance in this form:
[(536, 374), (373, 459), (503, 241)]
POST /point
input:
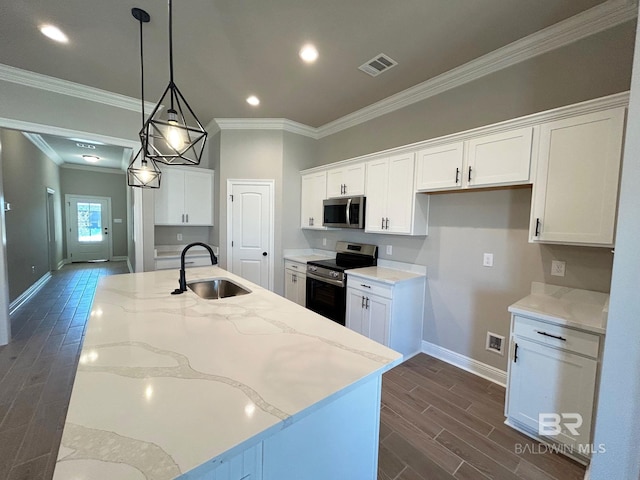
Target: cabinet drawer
[(295, 266), (369, 287), (171, 263), (557, 336)]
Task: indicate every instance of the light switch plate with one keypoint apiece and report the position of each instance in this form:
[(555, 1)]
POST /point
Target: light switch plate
[(179, 237), (389, 249), (558, 268), (487, 260), (324, 242)]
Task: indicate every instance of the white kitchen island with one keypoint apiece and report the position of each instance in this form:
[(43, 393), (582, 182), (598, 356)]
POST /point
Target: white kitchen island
[(246, 387)]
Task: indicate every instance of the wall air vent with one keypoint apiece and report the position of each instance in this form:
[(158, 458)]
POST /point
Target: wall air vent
[(377, 65)]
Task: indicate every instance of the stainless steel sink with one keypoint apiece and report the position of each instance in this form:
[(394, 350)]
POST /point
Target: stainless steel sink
[(214, 288)]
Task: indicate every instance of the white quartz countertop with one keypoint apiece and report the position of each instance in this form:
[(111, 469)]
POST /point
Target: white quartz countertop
[(384, 275), (167, 383), (305, 258), (570, 307)]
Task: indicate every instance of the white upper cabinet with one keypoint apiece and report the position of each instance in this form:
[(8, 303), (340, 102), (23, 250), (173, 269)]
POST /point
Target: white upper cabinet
[(500, 159), (185, 197), (493, 160), (346, 181), (392, 205), (576, 185), (314, 191), (440, 168)]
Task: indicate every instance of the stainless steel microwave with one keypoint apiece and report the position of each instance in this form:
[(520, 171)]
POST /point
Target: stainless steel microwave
[(345, 212)]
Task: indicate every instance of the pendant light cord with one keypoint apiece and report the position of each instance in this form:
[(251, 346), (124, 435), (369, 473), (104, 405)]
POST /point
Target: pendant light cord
[(141, 73), (171, 49)]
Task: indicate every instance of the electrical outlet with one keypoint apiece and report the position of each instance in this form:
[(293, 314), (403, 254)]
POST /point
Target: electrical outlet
[(33, 269), (558, 268), (389, 249), (179, 237), (324, 242), (487, 260)]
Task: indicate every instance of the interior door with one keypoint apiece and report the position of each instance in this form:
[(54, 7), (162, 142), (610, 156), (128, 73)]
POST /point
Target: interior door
[(251, 230), (88, 228)]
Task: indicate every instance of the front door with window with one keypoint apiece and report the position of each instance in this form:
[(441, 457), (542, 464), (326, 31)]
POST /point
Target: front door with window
[(88, 222)]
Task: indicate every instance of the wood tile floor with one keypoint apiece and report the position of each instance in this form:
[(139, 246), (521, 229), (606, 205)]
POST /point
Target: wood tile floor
[(438, 422), (38, 367)]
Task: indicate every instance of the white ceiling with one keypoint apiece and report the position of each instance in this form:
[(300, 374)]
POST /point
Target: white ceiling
[(228, 49)]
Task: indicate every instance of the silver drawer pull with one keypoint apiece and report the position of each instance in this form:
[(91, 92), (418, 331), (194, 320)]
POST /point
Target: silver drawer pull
[(365, 286), (552, 336), (189, 263)]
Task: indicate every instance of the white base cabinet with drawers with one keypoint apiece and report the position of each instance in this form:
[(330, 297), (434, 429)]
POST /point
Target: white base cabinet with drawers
[(551, 383), (390, 314), (295, 282)]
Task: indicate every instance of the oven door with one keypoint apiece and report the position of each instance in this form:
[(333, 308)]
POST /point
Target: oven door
[(326, 298)]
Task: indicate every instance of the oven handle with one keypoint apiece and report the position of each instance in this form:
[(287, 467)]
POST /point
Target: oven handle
[(337, 283)]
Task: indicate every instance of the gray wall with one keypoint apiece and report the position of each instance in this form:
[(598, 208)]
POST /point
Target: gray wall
[(113, 185), (26, 174), (617, 426), (465, 299), (266, 154)]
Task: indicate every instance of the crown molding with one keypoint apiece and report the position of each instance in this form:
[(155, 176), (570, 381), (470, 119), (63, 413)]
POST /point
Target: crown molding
[(44, 147), (72, 89), (89, 168), (582, 25), (266, 124)]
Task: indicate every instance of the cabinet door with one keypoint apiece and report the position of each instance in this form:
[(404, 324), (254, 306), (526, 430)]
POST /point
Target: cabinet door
[(169, 198), (500, 159), (198, 198), (346, 181), (300, 281), (576, 188), (439, 168), (355, 311), (314, 189), (376, 190), (548, 380), (378, 310), (400, 194), (290, 288)]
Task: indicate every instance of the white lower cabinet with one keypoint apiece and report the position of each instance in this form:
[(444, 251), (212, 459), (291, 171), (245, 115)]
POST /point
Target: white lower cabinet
[(551, 383), (172, 263), (390, 314), (295, 282)]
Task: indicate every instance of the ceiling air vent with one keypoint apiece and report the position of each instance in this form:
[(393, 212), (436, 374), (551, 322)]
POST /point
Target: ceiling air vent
[(377, 65)]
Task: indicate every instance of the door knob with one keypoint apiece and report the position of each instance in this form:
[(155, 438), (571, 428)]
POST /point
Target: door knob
[(264, 254)]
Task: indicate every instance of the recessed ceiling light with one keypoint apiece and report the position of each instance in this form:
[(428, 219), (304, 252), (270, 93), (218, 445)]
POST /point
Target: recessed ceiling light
[(309, 53), (91, 158), (54, 33), (253, 101)]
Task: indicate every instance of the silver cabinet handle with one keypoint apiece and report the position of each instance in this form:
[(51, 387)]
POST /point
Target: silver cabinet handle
[(558, 337), (382, 224), (469, 177), (365, 286), (366, 305), (362, 304), (187, 218), (183, 218), (387, 224)]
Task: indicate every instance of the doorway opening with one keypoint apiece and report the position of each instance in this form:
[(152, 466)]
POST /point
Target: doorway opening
[(51, 229)]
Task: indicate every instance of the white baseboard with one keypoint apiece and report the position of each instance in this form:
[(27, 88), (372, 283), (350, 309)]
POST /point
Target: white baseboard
[(119, 258), (483, 370), (28, 293), (129, 265), (61, 264)]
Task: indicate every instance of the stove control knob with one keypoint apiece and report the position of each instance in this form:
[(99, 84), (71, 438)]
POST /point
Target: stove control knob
[(312, 268), (334, 274)]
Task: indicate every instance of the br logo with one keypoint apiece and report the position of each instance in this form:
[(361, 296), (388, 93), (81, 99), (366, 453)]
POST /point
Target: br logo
[(551, 424)]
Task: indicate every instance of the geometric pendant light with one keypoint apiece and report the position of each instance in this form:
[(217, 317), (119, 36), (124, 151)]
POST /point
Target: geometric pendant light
[(173, 136), (142, 172)]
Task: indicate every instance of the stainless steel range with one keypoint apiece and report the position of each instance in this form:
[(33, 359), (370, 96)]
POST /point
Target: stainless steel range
[(327, 282)]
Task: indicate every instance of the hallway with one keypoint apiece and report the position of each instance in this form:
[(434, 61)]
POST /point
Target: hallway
[(38, 367)]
